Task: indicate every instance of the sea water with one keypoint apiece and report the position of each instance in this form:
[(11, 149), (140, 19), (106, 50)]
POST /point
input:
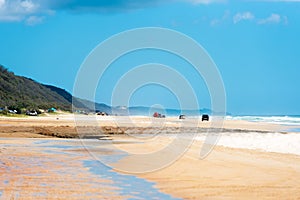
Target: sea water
[(128, 185)]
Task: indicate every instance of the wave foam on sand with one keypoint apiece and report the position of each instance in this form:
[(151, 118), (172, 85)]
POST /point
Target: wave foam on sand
[(269, 142)]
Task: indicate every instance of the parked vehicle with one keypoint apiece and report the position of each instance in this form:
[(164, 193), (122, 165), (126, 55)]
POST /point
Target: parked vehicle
[(205, 118), (102, 113), (158, 115), (182, 117), (31, 113)]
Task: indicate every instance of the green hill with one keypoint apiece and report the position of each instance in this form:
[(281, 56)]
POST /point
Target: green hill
[(22, 92)]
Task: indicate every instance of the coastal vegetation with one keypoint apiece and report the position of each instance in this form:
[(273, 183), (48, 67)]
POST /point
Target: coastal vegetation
[(19, 93)]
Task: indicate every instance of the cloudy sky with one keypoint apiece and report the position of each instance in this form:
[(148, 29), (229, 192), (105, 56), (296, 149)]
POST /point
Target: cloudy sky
[(255, 45)]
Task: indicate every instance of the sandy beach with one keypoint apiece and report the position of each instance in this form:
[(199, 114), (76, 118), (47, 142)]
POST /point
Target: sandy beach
[(149, 100), (68, 125), (36, 164)]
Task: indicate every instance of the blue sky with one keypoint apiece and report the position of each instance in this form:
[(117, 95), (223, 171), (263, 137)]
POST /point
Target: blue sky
[(255, 45)]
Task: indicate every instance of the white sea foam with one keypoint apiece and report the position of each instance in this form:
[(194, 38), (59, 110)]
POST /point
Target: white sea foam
[(283, 120), (269, 142)]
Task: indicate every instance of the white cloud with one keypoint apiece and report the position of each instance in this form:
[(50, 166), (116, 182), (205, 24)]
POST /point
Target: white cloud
[(17, 10), (215, 22), (272, 19), (34, 20), (28, 6), (243, 16), (2, 2), (27, 10)]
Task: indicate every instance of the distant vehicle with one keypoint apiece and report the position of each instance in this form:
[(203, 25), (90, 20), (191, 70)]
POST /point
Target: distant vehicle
[(31, 113), (205, 118), (102, 113), (12, 111), (181, 116), (158, 115)]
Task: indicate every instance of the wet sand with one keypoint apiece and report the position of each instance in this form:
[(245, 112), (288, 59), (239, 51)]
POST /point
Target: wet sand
[(31, 170), (64, 169)]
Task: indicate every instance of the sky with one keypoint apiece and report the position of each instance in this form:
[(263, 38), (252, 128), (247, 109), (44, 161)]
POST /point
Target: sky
[(255, 45)]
